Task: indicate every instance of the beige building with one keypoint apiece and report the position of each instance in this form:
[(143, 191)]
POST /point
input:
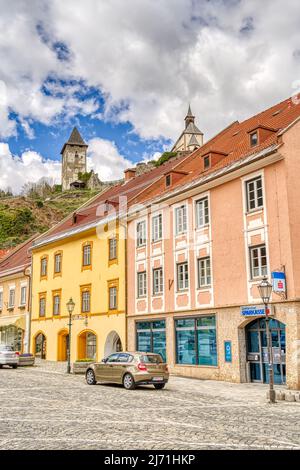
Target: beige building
[(15, 276)]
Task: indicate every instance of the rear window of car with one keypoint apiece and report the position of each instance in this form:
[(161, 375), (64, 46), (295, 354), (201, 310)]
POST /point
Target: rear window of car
[(151, 359), (6, 348)]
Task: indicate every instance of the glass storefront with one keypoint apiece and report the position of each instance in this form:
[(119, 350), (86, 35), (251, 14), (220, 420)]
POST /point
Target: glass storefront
[(12, 336), (257, 350), (151, 337), (196, 341)]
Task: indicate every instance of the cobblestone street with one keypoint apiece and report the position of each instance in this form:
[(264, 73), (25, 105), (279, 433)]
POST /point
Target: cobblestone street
[(44, 408)]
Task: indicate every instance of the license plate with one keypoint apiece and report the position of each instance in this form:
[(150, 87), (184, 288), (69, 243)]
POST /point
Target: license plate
[(157, 379)]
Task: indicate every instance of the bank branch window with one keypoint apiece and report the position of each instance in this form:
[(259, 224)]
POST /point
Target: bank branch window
[(196, 341), (151, 337)]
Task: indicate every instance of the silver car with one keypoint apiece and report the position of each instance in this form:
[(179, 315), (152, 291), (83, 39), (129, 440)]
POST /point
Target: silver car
[(8, 357)]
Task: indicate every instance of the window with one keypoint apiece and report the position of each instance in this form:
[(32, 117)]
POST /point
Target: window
[(151, 337), (157, 228), (196, 341), (56, 304), (206, 162), (113, 298), (112, 248), (142, 284), (85, 300), (158, 281), (204, 274), (182, 276), (253, 139), (113, 358), (1, 299), (258, 261), (141, 233), (87, 255), (168, 180), (202, 213), (180, 219), (11, 299), (23, 295), (42, 306), (57, 263), (44, 266), (254, 194)]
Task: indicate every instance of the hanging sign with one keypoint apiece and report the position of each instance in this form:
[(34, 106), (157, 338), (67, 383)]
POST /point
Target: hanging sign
[(227, 348), (278, 281)]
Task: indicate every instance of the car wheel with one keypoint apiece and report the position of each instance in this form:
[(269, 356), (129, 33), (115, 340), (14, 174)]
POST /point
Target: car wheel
[(14, 366), (128, 382), (159, 386), (1, 366), (90, 377)]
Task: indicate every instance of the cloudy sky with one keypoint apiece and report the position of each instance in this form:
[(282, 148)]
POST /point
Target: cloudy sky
[(125, 71)]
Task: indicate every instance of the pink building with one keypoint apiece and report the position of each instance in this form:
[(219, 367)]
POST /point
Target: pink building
[(208, 231)]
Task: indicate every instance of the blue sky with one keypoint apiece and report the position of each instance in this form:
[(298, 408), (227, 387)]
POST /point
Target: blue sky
[(124, 73)]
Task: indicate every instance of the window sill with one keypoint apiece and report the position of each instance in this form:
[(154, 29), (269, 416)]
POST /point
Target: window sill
[(141, 297), (159, 294), (209, 286), (22, 306), (255, 211), (182, 291), (10, 309)]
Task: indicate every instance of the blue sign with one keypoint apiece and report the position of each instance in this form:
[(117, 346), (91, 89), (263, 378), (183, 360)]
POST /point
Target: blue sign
[(252, 310), (278, 281), (227, 348)]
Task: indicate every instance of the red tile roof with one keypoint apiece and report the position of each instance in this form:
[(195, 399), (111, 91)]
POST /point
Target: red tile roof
[(19, 257), (3, 253)]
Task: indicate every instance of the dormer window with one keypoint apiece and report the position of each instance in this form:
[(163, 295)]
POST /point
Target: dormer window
[(254, 139), (168, 180), (206, 162)]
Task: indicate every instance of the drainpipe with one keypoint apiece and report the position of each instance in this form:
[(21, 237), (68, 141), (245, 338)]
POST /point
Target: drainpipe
[(29, 305), (126, 286)]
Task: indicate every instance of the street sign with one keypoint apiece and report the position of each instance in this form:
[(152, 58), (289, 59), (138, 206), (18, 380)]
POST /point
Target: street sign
[(252, 310), (227, 348), (278, 281)]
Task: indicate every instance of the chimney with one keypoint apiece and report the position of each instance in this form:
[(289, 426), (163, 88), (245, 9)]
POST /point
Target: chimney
[(129, 174)]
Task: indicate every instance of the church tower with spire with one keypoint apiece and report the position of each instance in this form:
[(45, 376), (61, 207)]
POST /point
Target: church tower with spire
[(191, 137), (73, 159)]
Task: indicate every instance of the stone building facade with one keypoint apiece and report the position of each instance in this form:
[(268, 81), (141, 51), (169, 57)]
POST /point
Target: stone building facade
[(73, 159)]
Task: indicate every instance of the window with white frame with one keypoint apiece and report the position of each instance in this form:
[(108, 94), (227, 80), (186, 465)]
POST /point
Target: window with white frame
[(23, 295), (180, 220), (182, 276), (56, 304), (1, 299), (57, 263), (44, 265), (204, 272), (157, 227), (258, 261), (112, 298), (141, 233), (254, 191), (112, 248), (85, 301), (42, 306), (142, 284), (202, 212), (87, 255), (158, 281), (11, 298)]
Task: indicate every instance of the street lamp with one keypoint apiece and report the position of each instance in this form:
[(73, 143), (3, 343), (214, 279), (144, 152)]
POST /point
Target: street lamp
[(265, 290), (70, 307)]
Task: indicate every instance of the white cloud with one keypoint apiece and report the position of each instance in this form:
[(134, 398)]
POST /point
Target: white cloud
[(104, 159), (15, 171), (229, 58)]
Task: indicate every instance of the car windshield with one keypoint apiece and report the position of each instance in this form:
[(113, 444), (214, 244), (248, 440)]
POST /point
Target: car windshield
[(5, 348), (151, 358)]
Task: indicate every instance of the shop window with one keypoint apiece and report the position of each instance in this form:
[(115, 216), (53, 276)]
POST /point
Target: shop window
[(151, 337)]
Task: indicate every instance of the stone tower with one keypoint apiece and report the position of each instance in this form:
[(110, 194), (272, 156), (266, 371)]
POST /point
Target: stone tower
[(73, 159), (191, 138)]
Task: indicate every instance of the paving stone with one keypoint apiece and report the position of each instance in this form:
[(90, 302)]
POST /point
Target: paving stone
[(45, 408)]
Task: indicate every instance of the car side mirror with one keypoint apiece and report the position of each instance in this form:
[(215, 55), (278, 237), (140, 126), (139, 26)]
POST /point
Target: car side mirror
[(104, 360)]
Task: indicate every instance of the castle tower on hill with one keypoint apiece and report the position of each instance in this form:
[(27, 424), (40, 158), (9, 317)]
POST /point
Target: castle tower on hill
[(73, 159), (191, 137)]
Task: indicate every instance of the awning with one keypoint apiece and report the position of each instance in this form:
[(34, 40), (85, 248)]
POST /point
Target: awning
[(13, 320)]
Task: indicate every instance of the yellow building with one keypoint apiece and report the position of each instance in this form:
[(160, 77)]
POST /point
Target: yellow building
[(82, 258)]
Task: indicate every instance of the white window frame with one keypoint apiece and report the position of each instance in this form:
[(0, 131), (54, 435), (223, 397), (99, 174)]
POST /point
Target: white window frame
[(12, 297), (57, 265), (202, 212), (262, 269), (86, 301), (182, 276), (142, 284), (113, 243), (113, 298), (158, 281), (56, 305), (1, 298), (204, 272), (44, 266), (87, 255), (180, 219), (157, 227), (141, 233), (257, 205), (22, 297), (42, 301)]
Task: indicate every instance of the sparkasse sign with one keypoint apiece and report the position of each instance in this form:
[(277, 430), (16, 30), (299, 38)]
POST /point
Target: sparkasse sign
[(252, 310)]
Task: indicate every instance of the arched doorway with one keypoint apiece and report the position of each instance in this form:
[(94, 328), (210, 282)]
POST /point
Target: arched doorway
[(112, 344), (40, 345), (63, 341), (87, 345), (257, 351)]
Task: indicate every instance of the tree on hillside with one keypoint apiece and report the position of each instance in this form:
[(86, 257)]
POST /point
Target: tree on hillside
[(41, 189)]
